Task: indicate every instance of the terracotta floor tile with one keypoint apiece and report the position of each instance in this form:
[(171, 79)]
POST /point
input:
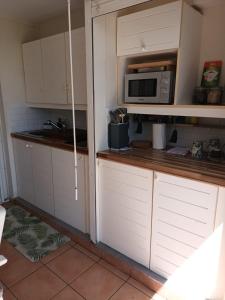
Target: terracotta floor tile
[(8, 250), (88, 253), (41, 285), (128, 292), (55, 253), (140, 287), (68, 294), (113, 270), (97, 283), (70, 264), (17, 268), (7, 295)]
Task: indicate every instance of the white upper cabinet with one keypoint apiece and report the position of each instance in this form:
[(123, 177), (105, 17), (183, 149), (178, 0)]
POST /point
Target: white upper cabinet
[(183, 219), (54, 69), (154, 29), (47, 71), (32, 60), (79, 66)]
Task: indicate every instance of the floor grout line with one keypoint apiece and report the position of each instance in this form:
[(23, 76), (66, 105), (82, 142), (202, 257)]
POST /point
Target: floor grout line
[(117, 290), (9, 287), (70, 247)]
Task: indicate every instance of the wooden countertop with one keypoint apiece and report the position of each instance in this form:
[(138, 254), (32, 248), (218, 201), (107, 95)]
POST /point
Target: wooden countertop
[(49, 141), (207, 171)]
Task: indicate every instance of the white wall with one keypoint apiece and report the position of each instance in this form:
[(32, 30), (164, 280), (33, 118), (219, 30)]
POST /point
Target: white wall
[(17, 116), (213, 37), (60, 24)]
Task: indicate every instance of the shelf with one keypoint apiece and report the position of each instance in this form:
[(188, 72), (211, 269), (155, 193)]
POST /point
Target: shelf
[(57, 106), (177, 125), (207, 111)]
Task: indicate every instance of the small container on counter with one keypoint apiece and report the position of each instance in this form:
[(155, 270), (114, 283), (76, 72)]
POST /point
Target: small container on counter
[(197, 150), (159, 136), (214, 96)]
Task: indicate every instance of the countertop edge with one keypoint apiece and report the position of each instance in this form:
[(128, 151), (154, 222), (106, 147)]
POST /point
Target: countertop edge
[(172, 170), (49, 142)]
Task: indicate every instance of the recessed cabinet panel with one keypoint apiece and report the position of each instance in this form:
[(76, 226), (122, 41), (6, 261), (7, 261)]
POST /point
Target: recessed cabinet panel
[(32, 60), (125, 215), (54, 69), (42, 177), (183, 218), (24, 173), (67, 208), (79, 66), (155, 29)]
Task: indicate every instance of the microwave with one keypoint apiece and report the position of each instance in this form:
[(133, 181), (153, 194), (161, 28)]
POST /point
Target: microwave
[(153, 87)]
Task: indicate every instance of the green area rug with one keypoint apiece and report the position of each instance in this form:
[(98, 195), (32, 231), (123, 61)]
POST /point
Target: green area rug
[(29, 235)]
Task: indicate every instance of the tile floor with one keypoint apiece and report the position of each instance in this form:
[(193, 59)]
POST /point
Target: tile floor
[(69, 273)]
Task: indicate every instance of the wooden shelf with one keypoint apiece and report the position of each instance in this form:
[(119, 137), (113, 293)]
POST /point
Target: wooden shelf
[(207, 111), (177, 125)]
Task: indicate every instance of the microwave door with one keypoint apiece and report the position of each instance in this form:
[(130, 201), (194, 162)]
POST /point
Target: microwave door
[(142, 89)]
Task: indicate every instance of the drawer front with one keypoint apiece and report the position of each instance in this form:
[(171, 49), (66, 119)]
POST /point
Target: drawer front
[(155, 29), (125, 210), (183, 219)]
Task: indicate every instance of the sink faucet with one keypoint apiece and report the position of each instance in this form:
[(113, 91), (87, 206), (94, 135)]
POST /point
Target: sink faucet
[(59, 125)]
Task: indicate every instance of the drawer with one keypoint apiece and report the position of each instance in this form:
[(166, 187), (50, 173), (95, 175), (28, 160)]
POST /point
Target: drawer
[(153, 29)]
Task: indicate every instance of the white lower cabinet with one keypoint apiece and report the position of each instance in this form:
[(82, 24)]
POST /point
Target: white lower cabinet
[(42, 177), (164, 233), (183, 218), (46, 179), (67, 208), (125, 209), (24, 173)]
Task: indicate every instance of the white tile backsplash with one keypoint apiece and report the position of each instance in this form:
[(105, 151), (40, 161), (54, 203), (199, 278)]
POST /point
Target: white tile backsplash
[(22, 118), (186, 135)]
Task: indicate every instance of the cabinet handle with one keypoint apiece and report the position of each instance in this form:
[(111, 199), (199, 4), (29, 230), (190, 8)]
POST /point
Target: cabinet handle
[(27, 146)]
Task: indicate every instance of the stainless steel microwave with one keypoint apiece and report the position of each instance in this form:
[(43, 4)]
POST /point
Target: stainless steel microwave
[(153, 87)]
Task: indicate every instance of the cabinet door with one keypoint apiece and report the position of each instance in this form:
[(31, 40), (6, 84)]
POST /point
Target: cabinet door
[(183, 219), (54, 69), (24, 174), (68, 209), (79, 66), (42, 177), (32, 60), (125, 201), (155, 29)]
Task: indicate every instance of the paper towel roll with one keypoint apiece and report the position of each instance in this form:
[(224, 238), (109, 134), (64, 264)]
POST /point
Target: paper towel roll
[(159, 136)]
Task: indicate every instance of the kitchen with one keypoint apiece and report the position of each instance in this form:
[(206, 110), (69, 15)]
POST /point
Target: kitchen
[(149, 212)]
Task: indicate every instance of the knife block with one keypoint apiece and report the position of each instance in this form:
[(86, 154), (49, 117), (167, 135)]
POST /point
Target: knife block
[(118, 137)]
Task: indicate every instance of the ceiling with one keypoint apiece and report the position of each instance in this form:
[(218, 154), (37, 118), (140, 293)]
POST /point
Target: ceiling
[(207, 3), (35, 11)]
